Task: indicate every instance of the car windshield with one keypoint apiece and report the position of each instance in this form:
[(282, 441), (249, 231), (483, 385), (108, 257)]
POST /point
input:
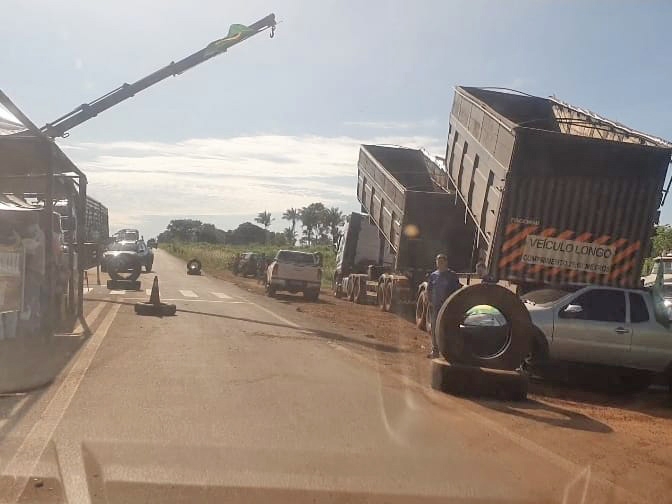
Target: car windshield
[(374, 251), (123, 246), (289, 256), (667, 267)]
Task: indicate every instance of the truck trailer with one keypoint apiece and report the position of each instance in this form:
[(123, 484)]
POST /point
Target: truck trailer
[(386, 254)]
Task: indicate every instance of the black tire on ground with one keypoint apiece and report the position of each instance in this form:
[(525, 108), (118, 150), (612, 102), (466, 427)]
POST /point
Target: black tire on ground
[(380, 296), (421, 309), (451, 339), (162, 310), (350, 289), (123, 284), (270, 290), (311, 295), (148, 267), (459, 379), (389, 297)]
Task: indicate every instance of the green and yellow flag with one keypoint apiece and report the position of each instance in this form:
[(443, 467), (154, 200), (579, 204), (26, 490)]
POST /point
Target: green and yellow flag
[(237, 32)]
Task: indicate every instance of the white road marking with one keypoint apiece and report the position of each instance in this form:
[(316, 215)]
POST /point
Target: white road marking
[(118, 292), (88, 290), (23, 463), (90, 320), (14, 409), (221, 295), (188, 293), (273, 314)]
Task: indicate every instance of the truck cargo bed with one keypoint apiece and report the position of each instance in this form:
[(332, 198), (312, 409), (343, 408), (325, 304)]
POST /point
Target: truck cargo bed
[(417, 217), (559, 194)]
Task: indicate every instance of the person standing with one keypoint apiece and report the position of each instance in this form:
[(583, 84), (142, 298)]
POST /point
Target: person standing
[(442, 283)]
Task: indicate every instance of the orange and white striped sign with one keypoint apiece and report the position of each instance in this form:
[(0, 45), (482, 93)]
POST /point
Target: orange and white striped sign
[(545, 254)]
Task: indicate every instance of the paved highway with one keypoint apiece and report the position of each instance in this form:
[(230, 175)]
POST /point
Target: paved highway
[(239, 399)]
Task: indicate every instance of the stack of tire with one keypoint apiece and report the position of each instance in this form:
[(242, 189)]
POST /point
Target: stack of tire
[(462, 371)]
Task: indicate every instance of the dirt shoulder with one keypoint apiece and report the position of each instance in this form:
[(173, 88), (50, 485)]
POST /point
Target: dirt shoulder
[(625, 439)]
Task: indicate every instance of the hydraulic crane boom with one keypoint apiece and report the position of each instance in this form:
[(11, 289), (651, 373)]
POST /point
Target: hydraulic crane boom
[(237, 33)]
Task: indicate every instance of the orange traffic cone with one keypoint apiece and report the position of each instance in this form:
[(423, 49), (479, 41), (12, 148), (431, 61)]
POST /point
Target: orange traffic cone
[(155, 306), (154, 297)]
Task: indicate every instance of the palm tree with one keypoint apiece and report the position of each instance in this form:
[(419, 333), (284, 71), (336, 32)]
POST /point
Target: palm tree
[(293, 215), (333, 219), (264, 218), (290, 235), (311, 216)]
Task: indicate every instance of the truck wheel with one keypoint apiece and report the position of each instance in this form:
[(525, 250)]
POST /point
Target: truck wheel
[(148, 267), (421, 311), (270, 290), (357, 291), (456, 348), (337, 288), (380, 296), (389, 297), (350, 290)]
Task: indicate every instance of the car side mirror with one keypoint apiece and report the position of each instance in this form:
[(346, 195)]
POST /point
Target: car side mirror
[(572, 310)]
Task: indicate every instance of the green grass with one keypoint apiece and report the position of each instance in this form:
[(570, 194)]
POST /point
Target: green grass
[(221, 257)]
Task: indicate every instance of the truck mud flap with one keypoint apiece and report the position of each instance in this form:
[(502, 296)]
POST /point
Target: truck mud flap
[(454, 344)]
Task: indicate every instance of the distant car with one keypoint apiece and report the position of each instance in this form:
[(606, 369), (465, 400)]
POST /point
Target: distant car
[(134, 254), (247, 265), (294, 272), (152, 243), (127, 235)]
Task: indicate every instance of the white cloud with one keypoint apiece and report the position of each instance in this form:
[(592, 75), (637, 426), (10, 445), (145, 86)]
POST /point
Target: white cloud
[(225, 177), (393, 125)]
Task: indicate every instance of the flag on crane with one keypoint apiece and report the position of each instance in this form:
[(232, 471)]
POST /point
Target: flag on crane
[(237, 32)]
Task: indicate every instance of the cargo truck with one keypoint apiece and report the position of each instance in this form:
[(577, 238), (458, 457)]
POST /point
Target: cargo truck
[(559, 195), (386, 255)]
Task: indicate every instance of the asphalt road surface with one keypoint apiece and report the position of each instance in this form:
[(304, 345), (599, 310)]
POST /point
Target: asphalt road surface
[(237, 399)]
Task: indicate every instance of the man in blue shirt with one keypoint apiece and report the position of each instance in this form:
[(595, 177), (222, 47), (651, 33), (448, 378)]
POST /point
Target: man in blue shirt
[(442, 283)]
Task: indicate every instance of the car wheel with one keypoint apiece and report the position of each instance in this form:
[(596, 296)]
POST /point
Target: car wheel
[(270, 290)]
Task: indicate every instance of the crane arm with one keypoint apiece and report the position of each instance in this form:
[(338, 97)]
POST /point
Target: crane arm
[(237, 33)]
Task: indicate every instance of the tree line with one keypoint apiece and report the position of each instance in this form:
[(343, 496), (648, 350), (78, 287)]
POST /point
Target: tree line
[(319, 225), (313, 224)]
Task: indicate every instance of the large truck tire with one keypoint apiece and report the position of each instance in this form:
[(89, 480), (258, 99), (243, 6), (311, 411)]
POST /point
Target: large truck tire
[(462, 380), (455, 348), (421, 311)]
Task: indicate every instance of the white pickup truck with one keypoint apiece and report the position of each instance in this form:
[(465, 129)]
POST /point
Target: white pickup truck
[(294, 271), (627, 329)]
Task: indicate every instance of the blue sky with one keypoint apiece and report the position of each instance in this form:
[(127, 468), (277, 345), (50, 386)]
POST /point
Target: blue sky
[(276, 123)]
